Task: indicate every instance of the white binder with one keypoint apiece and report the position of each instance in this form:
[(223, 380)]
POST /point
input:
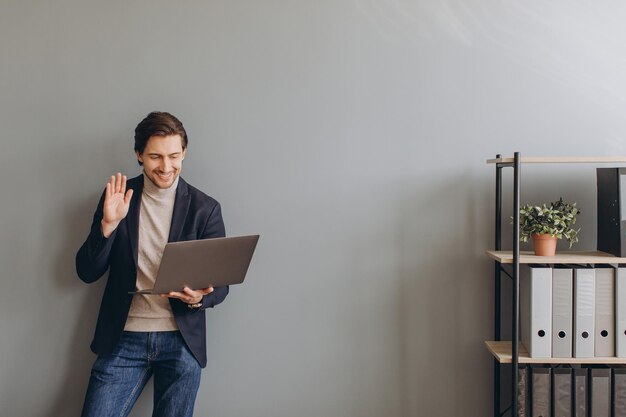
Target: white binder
[(604, 339), (562, 310), (620, 311), (584, 312), (536, 310)]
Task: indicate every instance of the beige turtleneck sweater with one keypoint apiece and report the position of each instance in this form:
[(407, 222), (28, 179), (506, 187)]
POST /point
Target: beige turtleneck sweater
[(152, 313)]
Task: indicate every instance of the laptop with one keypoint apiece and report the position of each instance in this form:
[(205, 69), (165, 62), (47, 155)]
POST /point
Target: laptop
[(199, 264)]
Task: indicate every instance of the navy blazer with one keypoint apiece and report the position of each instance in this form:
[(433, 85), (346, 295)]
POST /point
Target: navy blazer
[(195, 216)]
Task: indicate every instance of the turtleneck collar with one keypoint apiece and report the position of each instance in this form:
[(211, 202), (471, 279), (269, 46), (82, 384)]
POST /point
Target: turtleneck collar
[(152, 190)]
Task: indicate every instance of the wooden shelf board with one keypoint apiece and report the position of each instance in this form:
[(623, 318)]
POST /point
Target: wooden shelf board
[(562, 160), (502, 352), (527, 257)]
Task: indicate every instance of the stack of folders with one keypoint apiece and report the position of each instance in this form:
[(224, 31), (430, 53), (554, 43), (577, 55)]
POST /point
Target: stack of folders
[(572, 390), (573, 311)]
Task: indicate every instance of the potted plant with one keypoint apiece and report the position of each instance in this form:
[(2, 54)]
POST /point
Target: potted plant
[(547, 223)]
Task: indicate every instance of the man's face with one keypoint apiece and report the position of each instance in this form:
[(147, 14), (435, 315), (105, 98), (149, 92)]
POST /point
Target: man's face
[(162, 159)]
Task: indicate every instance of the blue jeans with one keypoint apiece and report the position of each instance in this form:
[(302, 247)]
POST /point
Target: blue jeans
[(117, 379)]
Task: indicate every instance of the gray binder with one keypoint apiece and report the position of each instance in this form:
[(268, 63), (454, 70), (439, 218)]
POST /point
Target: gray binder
[(535, 292), (562, 392), (581, 402), (604, 339), (620, 311), (540, 392), (584, 312), (601, 392), (619, 392), (562, 308)]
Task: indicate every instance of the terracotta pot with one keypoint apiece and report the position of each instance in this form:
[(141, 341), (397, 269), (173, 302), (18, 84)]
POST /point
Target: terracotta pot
[(544, 244)]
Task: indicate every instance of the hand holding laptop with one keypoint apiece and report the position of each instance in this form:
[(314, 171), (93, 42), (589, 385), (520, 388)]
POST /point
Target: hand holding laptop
[(202, 264), (188, 295)]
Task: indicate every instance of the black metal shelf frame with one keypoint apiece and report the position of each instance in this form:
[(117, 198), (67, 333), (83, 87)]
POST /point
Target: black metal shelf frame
[(498, 269)]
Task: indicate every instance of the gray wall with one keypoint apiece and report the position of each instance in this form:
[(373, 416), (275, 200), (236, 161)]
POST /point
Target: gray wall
[(352, 135)]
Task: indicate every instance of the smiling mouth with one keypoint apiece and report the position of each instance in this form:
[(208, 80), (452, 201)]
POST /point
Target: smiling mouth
[(165, 177)]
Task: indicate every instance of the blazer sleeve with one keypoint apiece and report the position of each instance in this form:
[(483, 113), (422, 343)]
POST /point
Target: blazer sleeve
[(214, 228), (92, 259)]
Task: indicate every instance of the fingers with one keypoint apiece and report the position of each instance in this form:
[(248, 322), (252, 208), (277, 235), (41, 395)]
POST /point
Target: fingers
[(128, 196), (196, 295), (117, 184), (111, 186), (188, 295), (192, 294), (176, 294), (185, 297), (202, 292)]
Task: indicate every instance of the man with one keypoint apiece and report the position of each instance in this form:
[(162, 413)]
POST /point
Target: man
[(138, 336)]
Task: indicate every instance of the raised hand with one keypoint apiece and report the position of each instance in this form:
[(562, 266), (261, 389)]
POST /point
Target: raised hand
[(116, 203)]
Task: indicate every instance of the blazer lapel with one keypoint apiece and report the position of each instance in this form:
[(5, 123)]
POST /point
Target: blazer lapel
[(181, 207), (133, 217)]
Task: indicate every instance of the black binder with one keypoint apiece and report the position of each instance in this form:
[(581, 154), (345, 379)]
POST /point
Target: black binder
[(601, 392), (612, 210), (523, 396), (619, 392), (580, 392), (540, 392), (562, 392)]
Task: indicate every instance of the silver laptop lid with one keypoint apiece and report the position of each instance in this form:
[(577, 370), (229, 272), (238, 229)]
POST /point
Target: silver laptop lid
[(203, 263)]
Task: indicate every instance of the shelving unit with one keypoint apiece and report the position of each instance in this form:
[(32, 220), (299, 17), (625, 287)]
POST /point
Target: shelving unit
[(509, 352), (502, 352), (527, 257)]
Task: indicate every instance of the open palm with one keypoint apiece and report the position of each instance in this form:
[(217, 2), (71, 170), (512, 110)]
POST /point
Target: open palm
[(116, 199)]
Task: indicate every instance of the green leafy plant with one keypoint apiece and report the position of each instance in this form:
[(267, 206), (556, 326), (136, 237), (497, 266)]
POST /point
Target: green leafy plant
[(555, 219)]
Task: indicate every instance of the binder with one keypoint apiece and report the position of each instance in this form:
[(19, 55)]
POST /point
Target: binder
[(562, 310), (612, 210), (523, 397), (540, 392), (601, 392), (584, 312), (620, 311), (619, 392), (581, 401), (562, 392), (536, 310), (604, 339)]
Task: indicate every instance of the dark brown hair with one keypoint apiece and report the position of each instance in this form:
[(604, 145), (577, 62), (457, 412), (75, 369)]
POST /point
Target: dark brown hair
[(158, 123)]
